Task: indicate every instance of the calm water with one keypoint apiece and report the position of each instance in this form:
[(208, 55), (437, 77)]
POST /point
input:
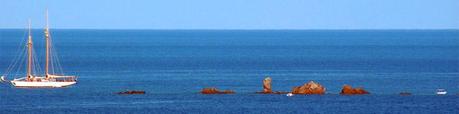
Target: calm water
[(174, 65)]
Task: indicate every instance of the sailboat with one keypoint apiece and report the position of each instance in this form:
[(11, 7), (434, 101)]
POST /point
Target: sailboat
[(50, 78)]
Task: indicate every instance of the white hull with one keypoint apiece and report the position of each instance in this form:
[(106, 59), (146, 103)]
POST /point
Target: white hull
[(21, 83), (441, 93)]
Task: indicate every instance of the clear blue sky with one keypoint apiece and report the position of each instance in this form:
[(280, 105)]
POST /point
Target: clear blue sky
[(233, 14)]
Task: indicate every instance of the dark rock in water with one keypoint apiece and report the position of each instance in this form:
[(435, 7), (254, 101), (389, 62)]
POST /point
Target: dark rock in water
[(405, 93), (214, 90), (280, 92), (348, 90), (131, 92), (309, 88), (274, 92)]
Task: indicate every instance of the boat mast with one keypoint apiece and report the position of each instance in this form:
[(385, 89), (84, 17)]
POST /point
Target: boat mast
[(47, 45), (29, 54)]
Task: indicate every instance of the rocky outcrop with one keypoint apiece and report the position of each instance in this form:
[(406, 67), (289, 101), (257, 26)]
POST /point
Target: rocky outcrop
[(131, 92), (213, 90), (309, 88), (267, 85), (348, 90), (267, 88)]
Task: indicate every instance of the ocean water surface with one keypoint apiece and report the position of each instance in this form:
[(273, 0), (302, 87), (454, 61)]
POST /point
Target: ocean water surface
[(172, 66)]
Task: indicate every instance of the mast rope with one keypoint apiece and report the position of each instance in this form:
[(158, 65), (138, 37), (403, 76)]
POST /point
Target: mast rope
[(37, 69), (55, 64), (18, 56), (15, 67), (20, 62)]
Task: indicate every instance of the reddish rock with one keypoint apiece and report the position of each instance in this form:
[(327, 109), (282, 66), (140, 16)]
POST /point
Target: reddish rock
[(267, 88), (214, 90), (131, 92), (348, 90), (309, 88), (267, 85)]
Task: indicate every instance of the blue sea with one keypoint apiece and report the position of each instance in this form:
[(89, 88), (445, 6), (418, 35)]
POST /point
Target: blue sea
[(172, 66)]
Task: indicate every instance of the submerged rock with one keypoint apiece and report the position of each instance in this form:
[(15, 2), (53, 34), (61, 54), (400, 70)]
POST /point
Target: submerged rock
[(309, 88), (214, 90), (131, 92), (405, 93), (348, 90), (274, 92)]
